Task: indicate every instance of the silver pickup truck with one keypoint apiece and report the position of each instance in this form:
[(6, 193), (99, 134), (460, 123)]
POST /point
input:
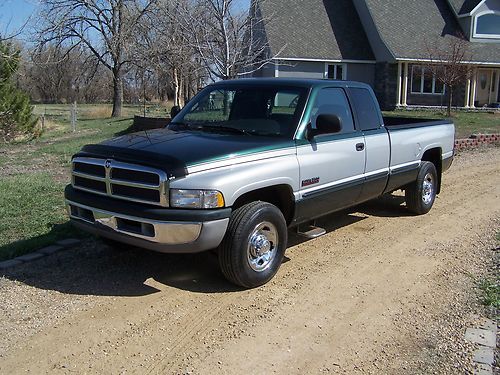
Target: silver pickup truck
[(247, 160)]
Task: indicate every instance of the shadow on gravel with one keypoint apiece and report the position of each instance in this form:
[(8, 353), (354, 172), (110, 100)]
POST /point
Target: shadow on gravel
[(386, 206), (94, 268)]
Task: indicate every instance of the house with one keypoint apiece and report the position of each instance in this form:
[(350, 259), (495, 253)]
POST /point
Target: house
[(385, 43)]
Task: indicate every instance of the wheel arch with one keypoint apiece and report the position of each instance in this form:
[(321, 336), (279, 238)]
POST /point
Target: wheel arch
[(280, 195), (433, 155)]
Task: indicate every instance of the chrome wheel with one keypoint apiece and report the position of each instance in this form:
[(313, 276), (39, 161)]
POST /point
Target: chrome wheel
[(262, 244), (428, 188)]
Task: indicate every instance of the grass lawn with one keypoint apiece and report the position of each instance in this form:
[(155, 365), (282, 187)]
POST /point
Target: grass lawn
[(466, 123), (32, 179), (31, 213)]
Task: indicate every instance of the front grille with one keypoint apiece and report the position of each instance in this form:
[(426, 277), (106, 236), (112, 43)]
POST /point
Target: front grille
[(120, 180), (90, 184), (132, 192), (135, 176), (91, 169)]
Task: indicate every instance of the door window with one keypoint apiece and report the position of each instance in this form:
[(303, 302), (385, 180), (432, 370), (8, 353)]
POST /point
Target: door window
[(333, 101)]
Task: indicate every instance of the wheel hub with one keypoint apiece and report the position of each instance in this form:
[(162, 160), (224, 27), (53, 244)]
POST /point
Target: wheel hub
[(262, 245), (428, 189), (259, 244)]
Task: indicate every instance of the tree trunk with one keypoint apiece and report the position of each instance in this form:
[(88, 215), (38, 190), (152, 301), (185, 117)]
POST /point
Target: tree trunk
[(181, 91), (450, 100), (117, 93), (176, 86)]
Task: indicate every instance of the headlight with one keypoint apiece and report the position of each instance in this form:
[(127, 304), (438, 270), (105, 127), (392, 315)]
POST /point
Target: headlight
[(196, 198)]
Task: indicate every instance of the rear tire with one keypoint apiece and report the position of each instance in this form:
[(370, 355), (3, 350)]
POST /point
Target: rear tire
[(420, 195), (254, 245)]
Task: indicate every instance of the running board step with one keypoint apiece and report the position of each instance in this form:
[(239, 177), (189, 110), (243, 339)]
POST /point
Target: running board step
[(311, 232)]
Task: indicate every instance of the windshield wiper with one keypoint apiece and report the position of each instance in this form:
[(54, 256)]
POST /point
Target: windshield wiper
[(225, 129), (178, 123)]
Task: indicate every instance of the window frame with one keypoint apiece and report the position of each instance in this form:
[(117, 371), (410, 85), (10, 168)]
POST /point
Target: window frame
[(475, 34), (349, 109), (422, 82), (336, 65)]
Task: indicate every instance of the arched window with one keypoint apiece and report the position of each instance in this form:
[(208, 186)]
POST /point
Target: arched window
[(487, 25)]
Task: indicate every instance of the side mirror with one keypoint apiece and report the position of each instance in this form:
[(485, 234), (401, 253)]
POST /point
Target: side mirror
[(325, 124), (174, 111)]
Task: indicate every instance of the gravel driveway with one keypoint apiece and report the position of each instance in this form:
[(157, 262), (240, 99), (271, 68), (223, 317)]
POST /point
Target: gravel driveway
[(383, 292)]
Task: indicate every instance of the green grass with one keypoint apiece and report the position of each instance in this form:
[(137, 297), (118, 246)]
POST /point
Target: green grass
[(32, 213), (490, 288), (490, 285), (466, 123)]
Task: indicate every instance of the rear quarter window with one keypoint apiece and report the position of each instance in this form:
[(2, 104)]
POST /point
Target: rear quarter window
[(366, 112)]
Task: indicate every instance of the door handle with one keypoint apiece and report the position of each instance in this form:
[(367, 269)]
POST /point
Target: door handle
[(360, 146)]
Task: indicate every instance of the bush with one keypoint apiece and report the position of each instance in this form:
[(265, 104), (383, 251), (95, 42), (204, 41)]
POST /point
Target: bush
[(16, 113)]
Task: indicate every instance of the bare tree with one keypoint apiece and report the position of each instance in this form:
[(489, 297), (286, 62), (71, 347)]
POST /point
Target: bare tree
[(227, 38), (448, 63), (104, 27), (56, 74), (164, 49)]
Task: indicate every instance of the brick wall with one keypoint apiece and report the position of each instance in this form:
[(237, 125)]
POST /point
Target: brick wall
[(477, 140)]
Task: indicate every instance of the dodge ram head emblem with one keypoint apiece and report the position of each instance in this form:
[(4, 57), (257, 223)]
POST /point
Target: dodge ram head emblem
[(107, 164)]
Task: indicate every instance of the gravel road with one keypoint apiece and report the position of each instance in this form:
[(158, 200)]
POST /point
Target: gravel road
[(383, 292)]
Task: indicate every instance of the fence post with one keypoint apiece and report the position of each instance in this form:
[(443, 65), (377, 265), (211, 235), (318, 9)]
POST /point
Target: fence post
[(73, 117)]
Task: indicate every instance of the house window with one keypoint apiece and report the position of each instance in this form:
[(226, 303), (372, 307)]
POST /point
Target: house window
[(335, 71), (487, 25), (423, 81)]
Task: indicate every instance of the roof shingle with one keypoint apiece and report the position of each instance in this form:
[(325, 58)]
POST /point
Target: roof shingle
[(406, 30), (315, 29)]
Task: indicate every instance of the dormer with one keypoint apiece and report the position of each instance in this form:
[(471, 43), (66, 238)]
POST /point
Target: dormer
[(479, 19)]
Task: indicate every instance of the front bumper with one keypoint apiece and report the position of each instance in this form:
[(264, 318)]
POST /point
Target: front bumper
[(164, 230)]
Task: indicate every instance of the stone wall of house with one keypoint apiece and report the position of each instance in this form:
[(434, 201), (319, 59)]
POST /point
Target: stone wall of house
[(386, 85), (433, 99), (437, 100)]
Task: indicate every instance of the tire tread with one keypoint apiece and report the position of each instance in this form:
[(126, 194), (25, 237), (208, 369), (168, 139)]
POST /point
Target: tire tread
[(228, 258)]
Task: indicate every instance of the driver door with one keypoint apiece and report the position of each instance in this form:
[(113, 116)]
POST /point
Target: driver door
[(331, 165)]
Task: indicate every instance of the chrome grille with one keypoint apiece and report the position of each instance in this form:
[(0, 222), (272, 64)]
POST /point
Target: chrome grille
[(120, 180)]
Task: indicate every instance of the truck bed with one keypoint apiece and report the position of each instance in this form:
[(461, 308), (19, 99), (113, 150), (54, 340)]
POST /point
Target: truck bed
[(397, 122)]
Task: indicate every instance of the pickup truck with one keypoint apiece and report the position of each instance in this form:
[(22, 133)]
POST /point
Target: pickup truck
[(247, 160)]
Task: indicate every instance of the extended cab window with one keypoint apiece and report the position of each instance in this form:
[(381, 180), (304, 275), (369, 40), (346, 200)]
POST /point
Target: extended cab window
[(333, 101), (366, 111), (262, 110)]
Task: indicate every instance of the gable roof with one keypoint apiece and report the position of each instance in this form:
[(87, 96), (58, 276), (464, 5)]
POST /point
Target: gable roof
[(464, 6), (405, 31), (315, 29)]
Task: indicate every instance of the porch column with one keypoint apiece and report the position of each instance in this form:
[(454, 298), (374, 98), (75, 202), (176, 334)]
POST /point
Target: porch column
[(473, 89), (405, 84), (492, 86), (398, 100), (467, 93), (497, 91)]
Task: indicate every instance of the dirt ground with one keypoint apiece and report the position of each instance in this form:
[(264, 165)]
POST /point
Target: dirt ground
[(383, 292)]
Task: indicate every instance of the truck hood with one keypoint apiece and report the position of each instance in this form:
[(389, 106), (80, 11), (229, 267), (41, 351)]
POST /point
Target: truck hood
[(174, 151)]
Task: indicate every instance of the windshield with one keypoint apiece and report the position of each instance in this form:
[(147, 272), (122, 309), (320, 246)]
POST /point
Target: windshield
[(266, 111)]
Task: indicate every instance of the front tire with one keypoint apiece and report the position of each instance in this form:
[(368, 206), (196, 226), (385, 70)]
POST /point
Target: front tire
[(254, 245), (420, 195)]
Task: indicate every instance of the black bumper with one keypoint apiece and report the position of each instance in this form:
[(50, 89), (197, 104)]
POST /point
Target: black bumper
[(143, 210)]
